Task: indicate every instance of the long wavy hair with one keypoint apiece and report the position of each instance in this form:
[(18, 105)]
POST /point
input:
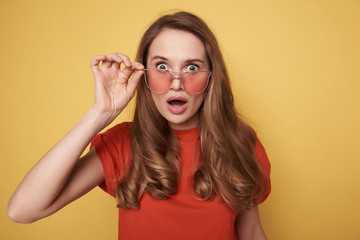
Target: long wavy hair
[(226, 167)]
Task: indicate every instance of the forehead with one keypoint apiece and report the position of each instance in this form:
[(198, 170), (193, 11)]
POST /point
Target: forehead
[(177, 45)]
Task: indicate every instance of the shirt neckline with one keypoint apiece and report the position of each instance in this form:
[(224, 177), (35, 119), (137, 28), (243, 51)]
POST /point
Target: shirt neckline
[(187, 134)]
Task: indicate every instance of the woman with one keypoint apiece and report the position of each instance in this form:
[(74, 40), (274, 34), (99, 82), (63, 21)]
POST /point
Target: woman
[(186, 167)]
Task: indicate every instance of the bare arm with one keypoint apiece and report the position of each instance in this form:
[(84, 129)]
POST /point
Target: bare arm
[(41, 192), (60, 176), (248, 225)]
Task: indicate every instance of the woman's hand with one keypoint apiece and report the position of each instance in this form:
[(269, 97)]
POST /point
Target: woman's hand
[(113, 90), (60, 176)]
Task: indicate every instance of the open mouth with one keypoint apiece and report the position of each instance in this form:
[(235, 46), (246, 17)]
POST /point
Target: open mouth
[(176, 101), (177, 105)]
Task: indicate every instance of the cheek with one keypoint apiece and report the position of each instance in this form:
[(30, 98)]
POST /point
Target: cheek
[(198, 101), (157, 100)]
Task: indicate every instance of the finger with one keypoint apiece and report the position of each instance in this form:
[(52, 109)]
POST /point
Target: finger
[(125, 59), (106, 64), (128, 71), (115, 65), (137, 66), (134, 81), (116, 59), (95, 62)]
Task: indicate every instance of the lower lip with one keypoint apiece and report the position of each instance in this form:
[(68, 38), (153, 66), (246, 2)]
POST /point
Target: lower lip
[(177, 110)]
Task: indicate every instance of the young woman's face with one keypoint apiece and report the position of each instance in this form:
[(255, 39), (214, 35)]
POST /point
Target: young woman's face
[(177, 50)]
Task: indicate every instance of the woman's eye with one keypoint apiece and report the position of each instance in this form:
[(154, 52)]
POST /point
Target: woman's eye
[(162, 66), (192, 68)]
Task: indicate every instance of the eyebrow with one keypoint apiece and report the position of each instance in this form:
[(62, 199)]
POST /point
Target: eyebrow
[(190, 60), (159, 57)]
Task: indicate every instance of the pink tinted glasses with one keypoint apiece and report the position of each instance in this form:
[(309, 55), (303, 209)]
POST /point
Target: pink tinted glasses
[(193, 82)]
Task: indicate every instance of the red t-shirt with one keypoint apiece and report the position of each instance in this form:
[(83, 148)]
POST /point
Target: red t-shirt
[(180, 217)]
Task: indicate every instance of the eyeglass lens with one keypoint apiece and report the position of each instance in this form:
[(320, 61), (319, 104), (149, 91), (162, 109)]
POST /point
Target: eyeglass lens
[(160, 80)]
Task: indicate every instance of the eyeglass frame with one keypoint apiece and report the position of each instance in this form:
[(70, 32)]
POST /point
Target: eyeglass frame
[(175, 77)]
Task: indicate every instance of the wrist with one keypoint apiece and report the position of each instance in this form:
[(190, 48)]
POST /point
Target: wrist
[(100, 119)]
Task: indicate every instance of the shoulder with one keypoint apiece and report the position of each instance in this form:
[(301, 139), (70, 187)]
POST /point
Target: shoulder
[(261, 155), (113, 149), (113, 136), (121, 129)]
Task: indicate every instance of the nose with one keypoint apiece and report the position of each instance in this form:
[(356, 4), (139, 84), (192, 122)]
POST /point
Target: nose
[(176, 82)]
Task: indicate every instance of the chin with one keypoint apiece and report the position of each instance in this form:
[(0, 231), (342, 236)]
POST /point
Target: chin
[(181, 123)]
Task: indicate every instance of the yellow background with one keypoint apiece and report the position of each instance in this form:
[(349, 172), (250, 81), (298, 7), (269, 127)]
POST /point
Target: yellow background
[(295, 68)]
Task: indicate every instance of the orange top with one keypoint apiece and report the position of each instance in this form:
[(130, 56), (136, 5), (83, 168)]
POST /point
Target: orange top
[(180, 217)]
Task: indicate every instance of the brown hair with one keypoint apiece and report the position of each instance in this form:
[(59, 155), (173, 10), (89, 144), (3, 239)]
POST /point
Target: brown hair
[(227, 166)]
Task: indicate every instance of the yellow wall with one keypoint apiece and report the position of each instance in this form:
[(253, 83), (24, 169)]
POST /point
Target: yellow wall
[(295, 73)]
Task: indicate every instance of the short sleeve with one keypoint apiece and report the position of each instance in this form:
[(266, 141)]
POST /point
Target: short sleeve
[(264, 162), (113, 150)]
